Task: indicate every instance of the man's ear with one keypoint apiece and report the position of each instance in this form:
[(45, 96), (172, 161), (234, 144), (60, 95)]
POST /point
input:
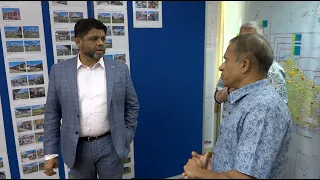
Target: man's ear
[(77, 41), (245, 65)]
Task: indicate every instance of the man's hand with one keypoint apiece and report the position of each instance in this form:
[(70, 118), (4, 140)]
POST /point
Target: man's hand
[(222, 95), (191, 169), (202, 161), (51, 164)]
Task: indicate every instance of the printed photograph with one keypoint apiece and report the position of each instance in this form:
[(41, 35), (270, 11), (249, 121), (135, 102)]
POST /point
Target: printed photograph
[(1, 162), (34, 66), (30, 168), (26, 139), (108, 56), (117, 18), (19, 94), (72, 35), (37, 110), (153, 15), (28, 155), (17, 67), (2, 175), (60, 17), (61, 60), (38, 124), (31, 32), (108, 43), (127, 160), (14, 46), (41, 165), (21, 112), (141, 15), (32, 46), (40, 153), (70, 175), (59, 3), (39, 137), (11, 14), (37, 92), (127, 170), (141, 4), (62, 36), (24, 126), (63, 50), (118, 30), (104, 17), (17, 81), (35, 79), (108, 30), (102, 3), (117, 3), (13, 32), (153, 4), (75, 16), (75, 50), (120, 57)]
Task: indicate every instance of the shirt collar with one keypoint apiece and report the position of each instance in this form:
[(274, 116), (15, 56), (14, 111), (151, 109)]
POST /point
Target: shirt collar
[(239, 93), (79, 63)]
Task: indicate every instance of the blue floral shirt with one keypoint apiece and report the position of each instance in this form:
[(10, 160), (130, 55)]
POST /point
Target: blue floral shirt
[(276, 76), (254, 136)]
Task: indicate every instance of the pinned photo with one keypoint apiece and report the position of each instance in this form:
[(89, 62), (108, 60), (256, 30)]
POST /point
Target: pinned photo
[(127, 170), (72, 35), (117, 18), (104, 17), (32, 46), (108, 43), (75, 16), (13, 32), (37, 110), (103, 3), (63, 50), (28, 155), (57, 3), (30, 168), (61, 60), (41, 165), (35, 79), (40, 153), (120, 57), (20, 94), (153, 4), (108, 31), (153, 16), (38, 124), (17, 67), (117, 3), (17, 81), (31, 32), (21, 112), (34, 66), (14, 46), (108, 56), (75, 50), (141, 15), (39, 137), (24, 126), (11, 14), (60, 17), (26, 139), (118, 30), (37, 92), (1, 162), (141, 4), (62, 36), (2, 175)]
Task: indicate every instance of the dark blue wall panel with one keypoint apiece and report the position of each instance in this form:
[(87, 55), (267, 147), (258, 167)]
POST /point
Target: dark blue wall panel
[(167, 68)]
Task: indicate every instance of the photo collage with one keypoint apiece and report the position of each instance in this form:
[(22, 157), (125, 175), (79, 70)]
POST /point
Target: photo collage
[(32, 160), (64, 15), (147, 10), (26, 79)]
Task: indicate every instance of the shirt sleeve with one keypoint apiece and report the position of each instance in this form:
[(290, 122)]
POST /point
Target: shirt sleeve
[(261, 138)]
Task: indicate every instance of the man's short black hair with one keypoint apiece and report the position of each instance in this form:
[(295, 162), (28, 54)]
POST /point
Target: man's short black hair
[(83, 26)]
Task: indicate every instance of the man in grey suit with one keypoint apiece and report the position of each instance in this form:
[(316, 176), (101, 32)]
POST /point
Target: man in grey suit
[(98, 105)]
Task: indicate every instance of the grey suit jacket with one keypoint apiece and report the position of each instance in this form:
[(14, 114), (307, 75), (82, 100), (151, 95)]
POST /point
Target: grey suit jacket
[(62, 102)]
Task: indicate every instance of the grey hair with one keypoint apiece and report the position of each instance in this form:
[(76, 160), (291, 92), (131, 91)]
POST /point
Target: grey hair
[(253, 24)]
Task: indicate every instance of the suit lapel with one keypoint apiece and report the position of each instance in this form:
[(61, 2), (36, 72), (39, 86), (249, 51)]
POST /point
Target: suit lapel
[(73, 81), (110, 70)]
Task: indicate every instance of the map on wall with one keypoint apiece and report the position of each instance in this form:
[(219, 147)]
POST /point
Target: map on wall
[(293, 30)]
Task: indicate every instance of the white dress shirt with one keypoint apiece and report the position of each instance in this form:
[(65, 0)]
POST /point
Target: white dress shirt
[(92, 94)]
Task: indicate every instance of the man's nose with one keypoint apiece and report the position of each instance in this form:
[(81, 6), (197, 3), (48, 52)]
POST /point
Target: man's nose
[(221, 67)]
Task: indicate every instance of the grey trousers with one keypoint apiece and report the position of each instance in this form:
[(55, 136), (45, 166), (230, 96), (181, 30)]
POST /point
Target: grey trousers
[(97, 159)]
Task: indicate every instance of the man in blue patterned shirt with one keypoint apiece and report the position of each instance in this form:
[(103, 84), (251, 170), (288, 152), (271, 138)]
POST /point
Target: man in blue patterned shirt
[(276, 74), (255, 135)]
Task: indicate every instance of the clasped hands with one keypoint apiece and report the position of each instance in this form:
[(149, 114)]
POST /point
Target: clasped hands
[(196, 165)]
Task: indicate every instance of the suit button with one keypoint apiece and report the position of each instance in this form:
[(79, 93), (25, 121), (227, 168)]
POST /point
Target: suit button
[(77, 132), (78, 115)]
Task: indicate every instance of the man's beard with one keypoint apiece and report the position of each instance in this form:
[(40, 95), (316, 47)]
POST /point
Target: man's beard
[(93, 54)]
